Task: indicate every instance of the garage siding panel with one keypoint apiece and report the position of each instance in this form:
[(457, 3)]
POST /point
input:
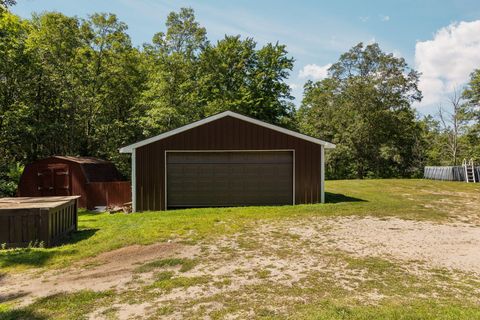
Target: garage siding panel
[(225, 134)]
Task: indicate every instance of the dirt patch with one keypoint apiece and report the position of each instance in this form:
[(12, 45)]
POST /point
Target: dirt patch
[(139, 254), (452, 246), (288, 253), (108, 270), (291, 253)]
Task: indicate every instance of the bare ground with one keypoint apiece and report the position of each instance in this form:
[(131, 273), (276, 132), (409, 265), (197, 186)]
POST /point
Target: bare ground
[(451, 246), (108, 270), (284, 253)]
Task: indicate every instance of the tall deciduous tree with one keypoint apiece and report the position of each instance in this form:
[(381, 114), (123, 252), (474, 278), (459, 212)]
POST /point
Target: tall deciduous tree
[(111, 77), (472, 96), (52, 45), (172, 95), (191, 78), (364, 106), (236, 76), (69, 86), (454, 125), (78, 87), (14, 86)]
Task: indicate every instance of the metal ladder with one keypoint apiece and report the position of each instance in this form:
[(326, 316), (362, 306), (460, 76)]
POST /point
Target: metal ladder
[(469, 171)]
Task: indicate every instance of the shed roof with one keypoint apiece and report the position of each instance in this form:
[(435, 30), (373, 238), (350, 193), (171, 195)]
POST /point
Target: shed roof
[(94, 169), (82, 160), (131, 147)]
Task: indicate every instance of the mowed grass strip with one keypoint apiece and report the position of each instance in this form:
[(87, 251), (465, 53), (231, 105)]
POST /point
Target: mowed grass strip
[(416, 310), (61, 306), (102, 232), (76, 306)]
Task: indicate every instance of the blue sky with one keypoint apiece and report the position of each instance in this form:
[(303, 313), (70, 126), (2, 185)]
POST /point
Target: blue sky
[(439, 38)]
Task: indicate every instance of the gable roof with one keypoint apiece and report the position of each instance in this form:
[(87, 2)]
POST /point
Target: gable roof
[(130, 148), (94, 169)]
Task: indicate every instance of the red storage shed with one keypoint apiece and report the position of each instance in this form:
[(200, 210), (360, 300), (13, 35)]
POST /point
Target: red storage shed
[(96, 181)]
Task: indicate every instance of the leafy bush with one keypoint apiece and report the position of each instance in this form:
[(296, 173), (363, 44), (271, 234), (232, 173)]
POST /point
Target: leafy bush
[(9, 179)]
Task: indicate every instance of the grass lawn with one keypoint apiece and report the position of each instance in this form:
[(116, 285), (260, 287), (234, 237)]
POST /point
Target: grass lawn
[(276, 271)]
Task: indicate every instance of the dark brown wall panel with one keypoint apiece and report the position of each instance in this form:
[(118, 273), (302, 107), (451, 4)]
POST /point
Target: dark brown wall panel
[(225, 134)]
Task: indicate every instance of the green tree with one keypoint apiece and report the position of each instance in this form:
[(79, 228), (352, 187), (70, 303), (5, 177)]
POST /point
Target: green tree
[(52, 45), (238, 77), (472, 95), (364, 106), (172, 95), (472, 90), (14, 84), (4, 4), (190, 78), (434, 142), (14, 79), (78, 87), (70, 86), (110, 78)]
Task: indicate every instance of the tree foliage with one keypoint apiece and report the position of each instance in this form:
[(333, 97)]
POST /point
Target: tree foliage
[(78, 87), (454, 133), (235, 76), (364, 106), (4, 4), (471, 95), (189, 78)]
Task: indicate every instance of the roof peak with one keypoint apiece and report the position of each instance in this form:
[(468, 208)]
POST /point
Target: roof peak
[(81, 159), (131, 147)]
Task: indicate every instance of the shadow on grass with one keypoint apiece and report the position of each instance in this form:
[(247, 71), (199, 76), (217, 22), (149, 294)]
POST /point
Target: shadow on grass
[(21, 314), (78, 236), (12, 296), (338, 198), (89, 220), (89, 213), (38, 257), (33, 257)]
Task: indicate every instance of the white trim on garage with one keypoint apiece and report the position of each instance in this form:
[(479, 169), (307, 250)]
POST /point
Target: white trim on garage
[(205, 151), (322, 174), (134, 182), (130, 148)]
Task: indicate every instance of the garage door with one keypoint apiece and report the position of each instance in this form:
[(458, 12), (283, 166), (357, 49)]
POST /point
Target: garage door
[(199, 179)]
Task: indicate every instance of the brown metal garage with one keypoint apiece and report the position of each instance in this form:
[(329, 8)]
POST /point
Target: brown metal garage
[(227, 160)]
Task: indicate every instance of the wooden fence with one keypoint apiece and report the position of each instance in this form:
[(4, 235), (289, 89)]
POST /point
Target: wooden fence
[(448, 173), (37, 222), (113, 193)]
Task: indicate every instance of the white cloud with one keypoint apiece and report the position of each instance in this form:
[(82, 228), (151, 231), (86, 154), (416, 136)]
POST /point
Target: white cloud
[(364, 18), (294, 86), (447, 61), (314, 72), (384, 18), (397, 53)]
